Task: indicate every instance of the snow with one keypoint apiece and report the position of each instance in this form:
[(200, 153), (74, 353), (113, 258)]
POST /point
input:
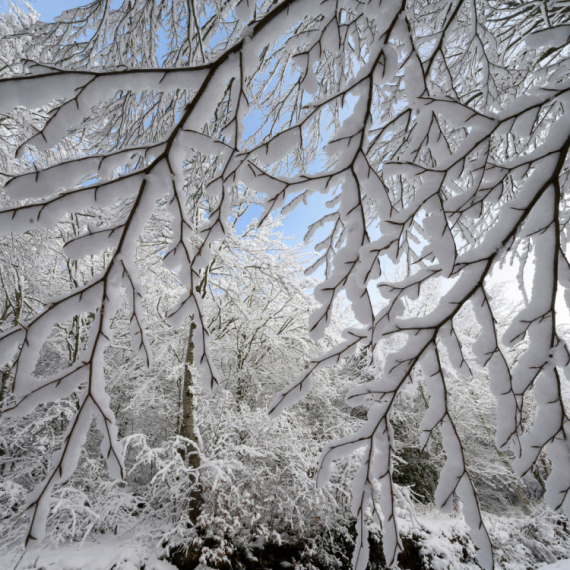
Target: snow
[(352, 260), (83, 299), (46, 212), (280, 146), (50, 389), (116, 553), (45, 182), (82, 92), (34, 91), (560, 565), (205, 106), (92, 243), (556, 36), (64, 462), (244, 10)]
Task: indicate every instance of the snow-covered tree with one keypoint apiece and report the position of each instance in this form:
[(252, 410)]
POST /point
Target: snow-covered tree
[(439, 132)]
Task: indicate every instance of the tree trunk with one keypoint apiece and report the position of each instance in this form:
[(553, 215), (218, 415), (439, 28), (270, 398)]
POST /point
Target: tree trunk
[(188, 429), (5, 383)]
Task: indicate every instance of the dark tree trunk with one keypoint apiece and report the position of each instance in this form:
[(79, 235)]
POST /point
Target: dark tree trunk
[(188, 428)]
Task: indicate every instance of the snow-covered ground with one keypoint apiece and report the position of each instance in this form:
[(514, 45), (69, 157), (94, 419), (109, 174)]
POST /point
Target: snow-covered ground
[(113, 554), (102, 555), (440, 536)]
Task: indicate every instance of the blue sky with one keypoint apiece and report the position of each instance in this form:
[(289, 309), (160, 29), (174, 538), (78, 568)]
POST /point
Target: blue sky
[(49, 9), (294, 225)]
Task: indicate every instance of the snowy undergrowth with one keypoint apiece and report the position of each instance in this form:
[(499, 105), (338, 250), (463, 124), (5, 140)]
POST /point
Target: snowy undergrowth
[(521, 542), (539, 540)]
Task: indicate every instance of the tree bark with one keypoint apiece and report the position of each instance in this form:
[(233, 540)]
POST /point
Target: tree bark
[(188, 428)]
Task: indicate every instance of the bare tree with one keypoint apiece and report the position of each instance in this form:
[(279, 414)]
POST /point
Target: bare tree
[(438, 129)]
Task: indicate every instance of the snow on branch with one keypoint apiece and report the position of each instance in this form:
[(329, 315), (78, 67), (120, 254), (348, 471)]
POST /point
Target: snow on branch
[(440, 135)]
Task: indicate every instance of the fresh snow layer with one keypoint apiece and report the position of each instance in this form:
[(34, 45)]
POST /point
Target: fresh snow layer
[(440, 537), (560, 565), (117, 554)]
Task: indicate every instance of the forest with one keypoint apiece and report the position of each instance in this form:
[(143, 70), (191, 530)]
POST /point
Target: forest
[(285, 284)]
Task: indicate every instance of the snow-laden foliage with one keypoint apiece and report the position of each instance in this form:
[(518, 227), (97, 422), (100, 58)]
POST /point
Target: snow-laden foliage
[(255, 479), (437, 131)]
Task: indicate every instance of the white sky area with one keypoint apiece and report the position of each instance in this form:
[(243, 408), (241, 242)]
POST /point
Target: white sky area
[(506, 278)]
